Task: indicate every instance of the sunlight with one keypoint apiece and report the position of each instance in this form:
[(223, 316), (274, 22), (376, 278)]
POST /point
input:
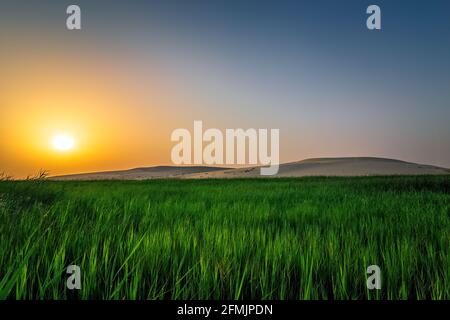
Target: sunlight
[(63, 142)]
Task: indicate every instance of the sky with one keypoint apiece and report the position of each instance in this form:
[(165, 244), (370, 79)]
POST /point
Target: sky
[(138, 70)]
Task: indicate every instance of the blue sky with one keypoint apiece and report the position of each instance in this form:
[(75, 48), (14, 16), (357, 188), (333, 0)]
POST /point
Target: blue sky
[(310, 68)]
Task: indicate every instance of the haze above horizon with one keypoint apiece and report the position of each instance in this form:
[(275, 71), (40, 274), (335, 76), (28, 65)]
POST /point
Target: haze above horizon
[(108, 96)]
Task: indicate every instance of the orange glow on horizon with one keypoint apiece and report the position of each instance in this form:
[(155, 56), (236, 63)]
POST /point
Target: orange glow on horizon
[(94, 107)]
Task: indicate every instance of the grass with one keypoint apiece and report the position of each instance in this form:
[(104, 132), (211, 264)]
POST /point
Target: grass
[(309, 238)]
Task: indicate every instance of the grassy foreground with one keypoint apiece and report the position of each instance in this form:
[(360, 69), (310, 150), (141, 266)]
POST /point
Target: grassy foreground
[(309, 238)]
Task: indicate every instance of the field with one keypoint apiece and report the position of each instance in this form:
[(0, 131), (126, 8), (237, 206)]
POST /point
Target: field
[(307, 238)]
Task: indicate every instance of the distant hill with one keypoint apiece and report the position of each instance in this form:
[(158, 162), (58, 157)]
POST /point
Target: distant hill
[(141, 173), (351, 166)]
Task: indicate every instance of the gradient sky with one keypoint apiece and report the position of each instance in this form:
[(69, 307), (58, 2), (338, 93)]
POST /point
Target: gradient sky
[(137, 71)]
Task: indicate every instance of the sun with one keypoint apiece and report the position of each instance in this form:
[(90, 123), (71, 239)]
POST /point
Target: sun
[(63, 142)]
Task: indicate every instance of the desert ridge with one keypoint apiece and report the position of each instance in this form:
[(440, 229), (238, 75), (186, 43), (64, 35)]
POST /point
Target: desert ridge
[(345, 166)]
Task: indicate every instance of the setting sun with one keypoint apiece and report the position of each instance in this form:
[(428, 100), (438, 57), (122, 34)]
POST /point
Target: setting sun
[(63, 142)]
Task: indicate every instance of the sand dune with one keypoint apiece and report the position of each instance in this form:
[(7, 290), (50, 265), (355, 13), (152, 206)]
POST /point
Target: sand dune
[(362, 166), (140, 173)]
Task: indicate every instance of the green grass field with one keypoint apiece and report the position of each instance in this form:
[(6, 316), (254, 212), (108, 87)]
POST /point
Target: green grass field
[(309, 238)]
